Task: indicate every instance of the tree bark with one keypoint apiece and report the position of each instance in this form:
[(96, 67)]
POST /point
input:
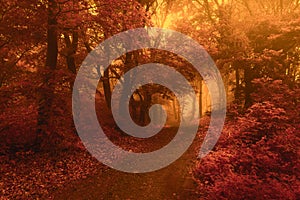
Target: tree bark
[(248, 87), (106, 81), (144, 112), (106, 88), (47, 91), (200, 97), (71, 48), (237, 84)]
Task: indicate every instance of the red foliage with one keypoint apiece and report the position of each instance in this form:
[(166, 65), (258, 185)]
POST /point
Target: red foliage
[(23, 48), (257, 155)]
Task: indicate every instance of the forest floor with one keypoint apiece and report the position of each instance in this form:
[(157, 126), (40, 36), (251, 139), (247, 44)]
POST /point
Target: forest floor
[(173, 182), (75, 174), (72, 173)]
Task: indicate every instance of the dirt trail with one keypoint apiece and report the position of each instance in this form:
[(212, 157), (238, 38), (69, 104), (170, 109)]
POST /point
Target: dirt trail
[(172, 182)]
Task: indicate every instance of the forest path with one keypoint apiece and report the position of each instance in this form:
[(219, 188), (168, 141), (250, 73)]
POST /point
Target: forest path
[(172, 182)]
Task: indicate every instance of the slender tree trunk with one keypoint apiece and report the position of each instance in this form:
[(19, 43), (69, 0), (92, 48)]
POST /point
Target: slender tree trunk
[(106, 82), (47, 91), (107, 89), (71, 47), (145, 119), (248, 87), (127, 82), (178, 111), (174, 109), (125, 90), (237, 84), (200, 97)]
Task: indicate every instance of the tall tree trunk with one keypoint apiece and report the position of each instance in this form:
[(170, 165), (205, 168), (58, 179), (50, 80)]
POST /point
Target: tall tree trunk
[(106, 88), (237, 91), (174, 109), (72, 45), (127, 81), (47, 91), (200, 97), (71, 48), (248, 87), (106, 81), (144, 112)]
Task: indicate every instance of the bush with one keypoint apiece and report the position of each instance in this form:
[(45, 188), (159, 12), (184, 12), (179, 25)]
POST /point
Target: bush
[(256, 156)]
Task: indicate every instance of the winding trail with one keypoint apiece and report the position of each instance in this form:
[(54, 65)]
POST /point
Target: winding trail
[(173, 182)]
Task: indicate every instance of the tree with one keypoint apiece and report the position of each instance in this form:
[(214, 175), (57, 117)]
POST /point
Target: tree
[(251, 48), (46, 51), (47, 90)]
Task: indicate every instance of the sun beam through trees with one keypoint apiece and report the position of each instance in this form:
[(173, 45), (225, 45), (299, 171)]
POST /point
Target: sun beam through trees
[(255, 44)]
